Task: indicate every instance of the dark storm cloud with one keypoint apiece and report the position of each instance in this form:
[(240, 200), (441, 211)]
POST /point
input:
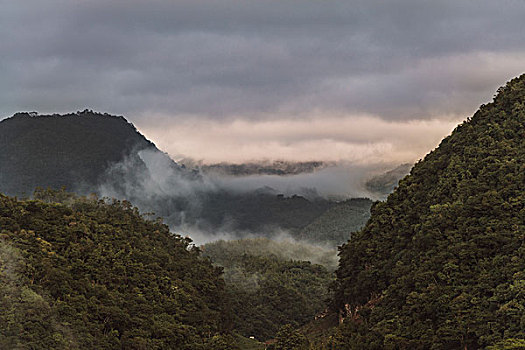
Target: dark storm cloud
[(225, 58)]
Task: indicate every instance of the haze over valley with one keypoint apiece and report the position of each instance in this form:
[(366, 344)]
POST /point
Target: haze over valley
[(262, 175)]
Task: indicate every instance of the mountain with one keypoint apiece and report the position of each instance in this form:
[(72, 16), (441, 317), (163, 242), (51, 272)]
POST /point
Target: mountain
[(441, 263), (91, 274), (281, 168), (267, 288), (384, 184), (88, 152), (72, 150), (336, 224), (255, 212)]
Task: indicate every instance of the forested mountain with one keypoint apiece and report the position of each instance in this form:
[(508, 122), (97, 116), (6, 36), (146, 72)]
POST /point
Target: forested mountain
[(441, 263), (258, 211), (88, 274), (283, 248), (383, 184), (267, 289), (88, 152), (259, 168), (72, 150), (336, 224)]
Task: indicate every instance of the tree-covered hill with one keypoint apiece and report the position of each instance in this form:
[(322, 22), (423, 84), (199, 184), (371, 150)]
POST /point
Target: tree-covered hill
[(441, 263), (88, 274), (383, 184), (72, 150), (283, 249), (88, 152), (256, 212), (267, 290), (336, 224)]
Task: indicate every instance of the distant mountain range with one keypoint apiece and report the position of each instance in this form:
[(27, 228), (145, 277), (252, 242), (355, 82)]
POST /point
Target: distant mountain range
[(88, 152), (279, 167)]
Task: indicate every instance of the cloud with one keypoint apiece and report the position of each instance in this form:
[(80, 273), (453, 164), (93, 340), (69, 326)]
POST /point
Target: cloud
[(361, 140), (257, 61), (257, 58)]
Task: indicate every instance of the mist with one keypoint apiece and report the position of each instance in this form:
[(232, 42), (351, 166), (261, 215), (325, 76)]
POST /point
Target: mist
[(283, 246), (341, 180), (159, 175), (205, 206)]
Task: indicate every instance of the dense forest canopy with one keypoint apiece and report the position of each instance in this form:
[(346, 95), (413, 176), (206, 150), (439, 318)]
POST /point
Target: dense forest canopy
[(335, 226), (441, 263), (91, 274), (267, 288), (283, 248)]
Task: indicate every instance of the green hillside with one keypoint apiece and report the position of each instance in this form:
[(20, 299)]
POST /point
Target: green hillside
[(336, 224), (255, 211), (383, 184), (283, 249), (88, 274), (267, 289), (441, 263), (72, 150)]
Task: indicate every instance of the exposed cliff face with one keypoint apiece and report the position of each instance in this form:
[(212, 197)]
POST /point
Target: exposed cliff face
[(443, 257)]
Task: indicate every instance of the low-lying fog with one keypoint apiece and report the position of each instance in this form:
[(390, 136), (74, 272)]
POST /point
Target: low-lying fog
[(154, 183)]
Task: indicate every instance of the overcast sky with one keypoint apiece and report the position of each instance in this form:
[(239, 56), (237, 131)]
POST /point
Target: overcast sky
[(218, 80)]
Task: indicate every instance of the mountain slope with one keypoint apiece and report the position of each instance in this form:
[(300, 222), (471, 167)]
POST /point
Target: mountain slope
[(383, 184), (96, 275), (72, 150), (336, 224), (267, 288), (88, 152), (441, 263)]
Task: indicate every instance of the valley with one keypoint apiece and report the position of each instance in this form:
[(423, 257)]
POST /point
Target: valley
[(107, 242)]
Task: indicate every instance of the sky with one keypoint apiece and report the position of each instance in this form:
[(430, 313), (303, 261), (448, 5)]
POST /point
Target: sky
[(237, 80)]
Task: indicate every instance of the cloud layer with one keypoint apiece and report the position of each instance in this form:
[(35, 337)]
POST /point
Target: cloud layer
[(357, 139), (257, 61)]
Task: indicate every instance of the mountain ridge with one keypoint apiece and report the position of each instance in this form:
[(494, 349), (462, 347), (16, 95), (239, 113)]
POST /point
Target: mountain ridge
[(441, 263), (72, 150), (88, 152)]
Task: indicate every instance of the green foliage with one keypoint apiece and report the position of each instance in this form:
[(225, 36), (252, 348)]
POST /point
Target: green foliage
[(440, 264), (27, 320), (384, 184), (227, 253), (96, 275), (72, 150), (268, 291), (245, 343), (335, 226), (290, 339), (509, 344)]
